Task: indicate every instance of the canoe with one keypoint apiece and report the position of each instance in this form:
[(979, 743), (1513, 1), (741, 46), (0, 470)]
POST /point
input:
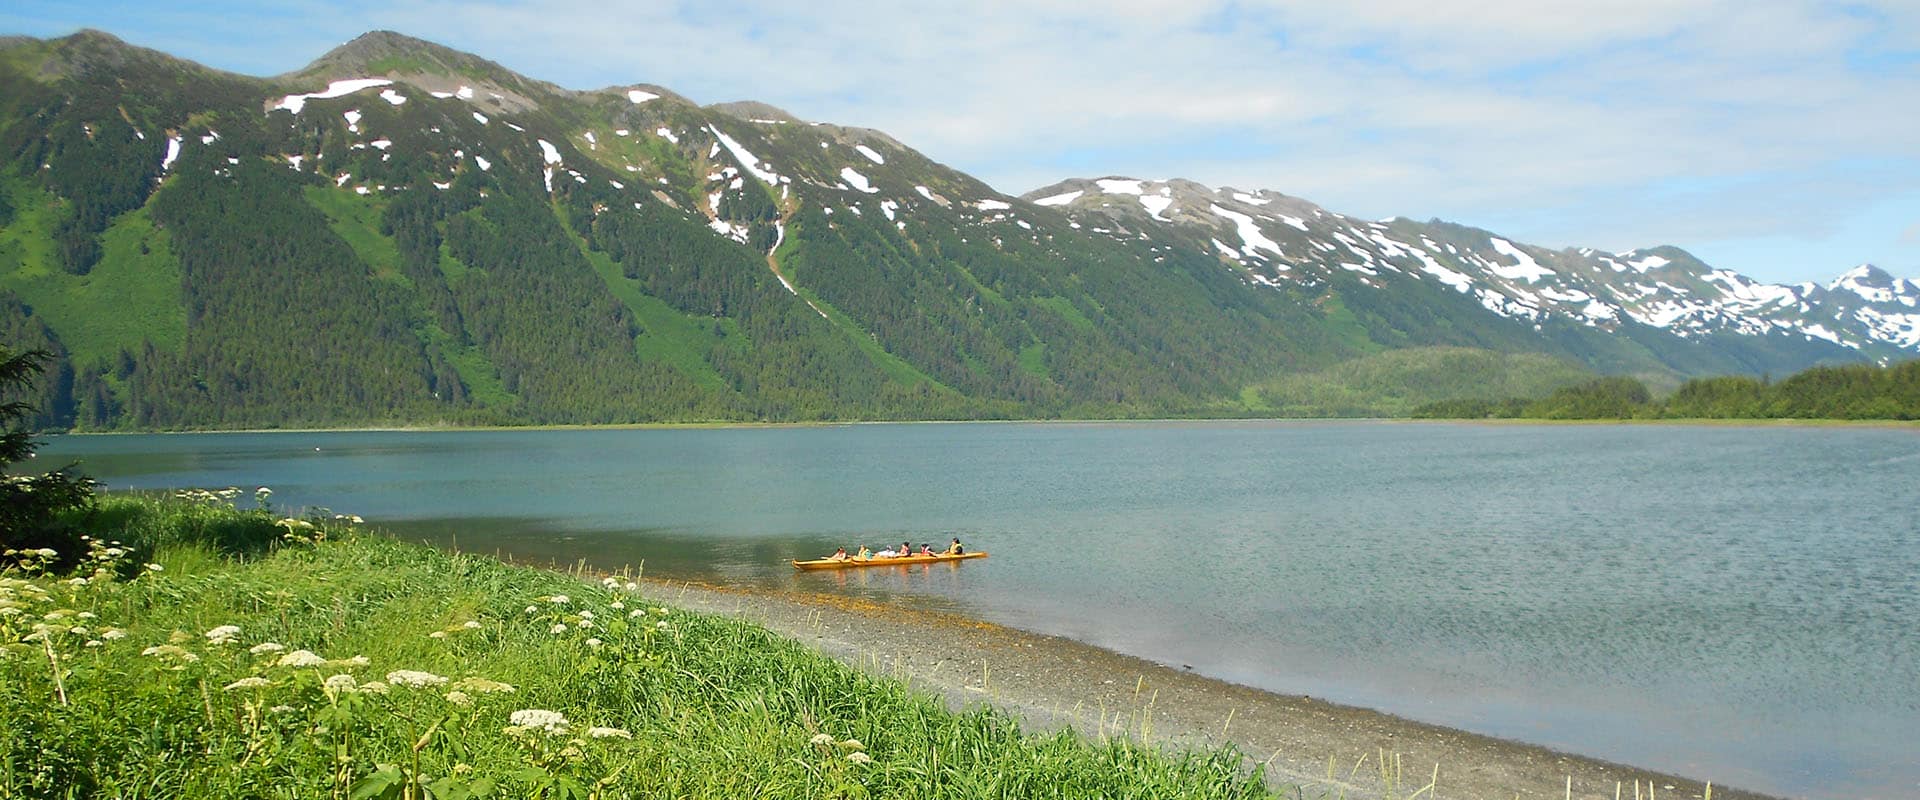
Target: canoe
[(828, 563)]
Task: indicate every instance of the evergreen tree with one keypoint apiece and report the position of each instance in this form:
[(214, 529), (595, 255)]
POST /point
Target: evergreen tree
[(31, 505)]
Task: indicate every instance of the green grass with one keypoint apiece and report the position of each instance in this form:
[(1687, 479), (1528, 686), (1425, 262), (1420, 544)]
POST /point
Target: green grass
[(895, 367), (356, 220), (1033, 359), (714, 707), (131, 295), (1348, 328), (667, 335), (1065, 308), (1393, 383)]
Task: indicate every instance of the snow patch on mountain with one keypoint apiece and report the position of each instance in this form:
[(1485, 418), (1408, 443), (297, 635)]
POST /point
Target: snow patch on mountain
[(548, 152), (1250, 236), (857, 180), (392, 96), (1060, 199), (1155, 204), (746, 159), (870, 154), (1524, 268), (1117, 186), (173, 153), (639, 97), (296, 102)]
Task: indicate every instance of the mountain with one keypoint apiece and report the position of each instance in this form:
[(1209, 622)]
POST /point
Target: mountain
[(404, 233), (1279, 240)]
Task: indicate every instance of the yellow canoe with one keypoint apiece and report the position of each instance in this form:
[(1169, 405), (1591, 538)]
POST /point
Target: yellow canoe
[(828, 563)]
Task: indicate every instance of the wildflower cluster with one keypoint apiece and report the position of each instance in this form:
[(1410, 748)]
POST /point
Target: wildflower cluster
[(209, 497)]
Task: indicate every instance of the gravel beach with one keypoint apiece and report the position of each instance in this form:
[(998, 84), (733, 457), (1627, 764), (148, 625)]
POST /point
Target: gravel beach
[(1326, 749)]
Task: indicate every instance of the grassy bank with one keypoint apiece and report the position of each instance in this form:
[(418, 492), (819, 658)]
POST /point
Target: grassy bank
[(205, 651)]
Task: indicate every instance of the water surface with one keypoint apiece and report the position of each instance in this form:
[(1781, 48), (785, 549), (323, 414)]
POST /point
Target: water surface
[(1739, 604)]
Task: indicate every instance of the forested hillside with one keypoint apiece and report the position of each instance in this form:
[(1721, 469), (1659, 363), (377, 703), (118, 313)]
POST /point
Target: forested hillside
[(404, 234), (1849, 392)]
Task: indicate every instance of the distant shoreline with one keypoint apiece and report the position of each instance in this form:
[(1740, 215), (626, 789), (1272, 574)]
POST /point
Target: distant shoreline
[(642, 426)]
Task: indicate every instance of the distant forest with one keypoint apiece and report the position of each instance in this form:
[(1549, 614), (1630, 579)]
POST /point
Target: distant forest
[(1855, 391)]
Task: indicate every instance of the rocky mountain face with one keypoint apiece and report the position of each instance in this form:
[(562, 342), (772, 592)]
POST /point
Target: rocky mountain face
[(403, 232)]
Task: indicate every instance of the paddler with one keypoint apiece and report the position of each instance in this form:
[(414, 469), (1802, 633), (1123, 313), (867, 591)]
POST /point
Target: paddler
[(955, 548)]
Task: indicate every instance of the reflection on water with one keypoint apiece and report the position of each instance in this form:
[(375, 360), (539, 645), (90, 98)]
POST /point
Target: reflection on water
[(1734, 603)]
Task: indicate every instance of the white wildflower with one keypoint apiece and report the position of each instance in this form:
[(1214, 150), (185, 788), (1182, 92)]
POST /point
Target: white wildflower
[(301, 658), (264, 648), (586, 615), (156, 568), (223, 634), (47, 552), (459, 698), (112, 634), (76, 581), (279, 709), (638, 612), (532, 609), (87, 615), (662, 625), (558, 628), (249, 683), (342, 683), (437, 635), (471, 625), (821, 740), (632, 587), (593, 642), (356, 661), (609, 582), (94, 643), (617, 606), (414, 678), (609, 733), (858, 757), (559, 600), (549, 721), (584, 624)]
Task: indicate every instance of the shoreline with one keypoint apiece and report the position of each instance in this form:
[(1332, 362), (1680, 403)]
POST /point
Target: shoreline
[(1703, 422), (1051, 682)]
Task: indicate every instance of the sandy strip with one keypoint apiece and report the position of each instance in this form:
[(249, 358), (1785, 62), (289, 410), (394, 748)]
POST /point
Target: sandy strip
[(1327, 749)]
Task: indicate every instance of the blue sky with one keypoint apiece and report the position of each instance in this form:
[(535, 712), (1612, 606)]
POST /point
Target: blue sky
[(1773, 138)]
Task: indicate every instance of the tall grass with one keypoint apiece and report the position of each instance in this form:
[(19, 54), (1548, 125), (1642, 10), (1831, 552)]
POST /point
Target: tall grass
[(252, 656)]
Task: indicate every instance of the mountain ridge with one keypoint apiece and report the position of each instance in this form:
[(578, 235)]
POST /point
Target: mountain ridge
[(501, 249)]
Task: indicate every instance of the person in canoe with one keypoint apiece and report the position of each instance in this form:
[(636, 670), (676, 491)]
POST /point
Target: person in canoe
[(838, 555), (956, 548), (864, 555), (926, 550), (906, 549)]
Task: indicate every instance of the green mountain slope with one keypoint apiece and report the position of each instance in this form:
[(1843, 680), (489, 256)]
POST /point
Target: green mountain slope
[(401, 233)]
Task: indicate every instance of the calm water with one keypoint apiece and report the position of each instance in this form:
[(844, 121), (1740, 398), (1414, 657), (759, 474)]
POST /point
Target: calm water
[(1741, 604)]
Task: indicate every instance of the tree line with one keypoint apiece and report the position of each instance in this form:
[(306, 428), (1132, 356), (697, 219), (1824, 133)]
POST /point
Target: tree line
[(1845, 392)]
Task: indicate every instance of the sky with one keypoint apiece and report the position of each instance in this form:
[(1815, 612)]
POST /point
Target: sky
[(1777, 139)]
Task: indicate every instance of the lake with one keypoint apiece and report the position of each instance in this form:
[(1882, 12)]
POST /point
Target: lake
[(1740, 604)]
